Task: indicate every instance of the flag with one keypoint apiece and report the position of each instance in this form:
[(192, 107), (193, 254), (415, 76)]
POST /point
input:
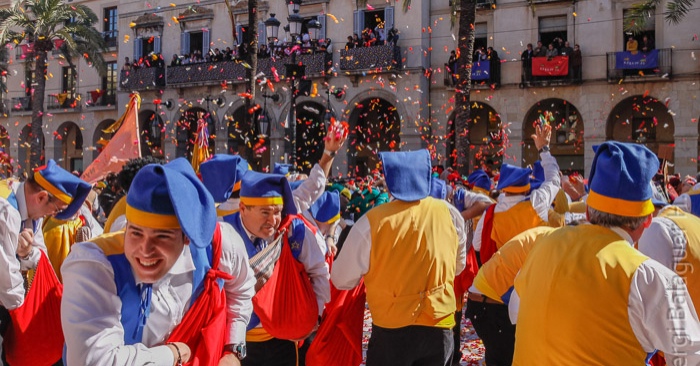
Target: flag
[(200, 152), (123, 146)]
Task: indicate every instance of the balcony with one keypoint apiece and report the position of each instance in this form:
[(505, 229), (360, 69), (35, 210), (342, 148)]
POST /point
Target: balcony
[(482, 76), (654, 65), (234, 71), (64, 102), (98, 98), (148, 78), (21, 105), (380, 58), (111, 38), (544, 72)]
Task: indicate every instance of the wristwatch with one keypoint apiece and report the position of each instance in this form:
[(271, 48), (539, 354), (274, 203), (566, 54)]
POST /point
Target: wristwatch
[(330, 153), (238, 350), (544, 149)]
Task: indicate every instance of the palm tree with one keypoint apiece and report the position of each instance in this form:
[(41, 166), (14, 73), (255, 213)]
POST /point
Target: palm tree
[(642, 12), (465, 48), (41, 23), (250, 39)]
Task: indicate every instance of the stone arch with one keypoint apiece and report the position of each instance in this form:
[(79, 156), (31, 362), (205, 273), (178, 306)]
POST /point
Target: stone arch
[(186, 131), (642, 119), (24, 150), (567, 134), (152, 134), (68, 147), (101, 138), (485, 135), (375, 125), (246, 140)]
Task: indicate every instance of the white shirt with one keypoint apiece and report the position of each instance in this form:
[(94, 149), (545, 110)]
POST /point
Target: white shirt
[(541, 198), (353, 262), (90, 309), (311, 189), (95, 228), (664, 242), (660, 311)]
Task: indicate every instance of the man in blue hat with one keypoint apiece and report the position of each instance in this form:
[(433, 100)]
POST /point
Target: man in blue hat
[(267, 200), (174, 287), (49, 190), (589, 280), (408, 251), (325, 215)]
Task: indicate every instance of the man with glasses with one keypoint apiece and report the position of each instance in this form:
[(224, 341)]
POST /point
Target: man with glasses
[(49, 190)]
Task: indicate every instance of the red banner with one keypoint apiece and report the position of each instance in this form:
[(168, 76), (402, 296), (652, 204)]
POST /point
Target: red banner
[(556, 66)]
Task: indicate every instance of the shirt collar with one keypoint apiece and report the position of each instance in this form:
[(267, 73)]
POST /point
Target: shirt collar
[(620, 231)]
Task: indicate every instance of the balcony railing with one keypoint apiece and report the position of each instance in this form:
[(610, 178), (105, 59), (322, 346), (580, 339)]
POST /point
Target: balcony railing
[(147, 78), (65, 102), (480, 79), (234, 71), (386, 58), (111, 37), (543, 71), (104, 100), (21, 104), (641, 66)]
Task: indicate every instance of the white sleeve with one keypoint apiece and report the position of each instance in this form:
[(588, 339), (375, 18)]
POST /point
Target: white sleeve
[(660, 241), (38, 243), (311, 189), (476, 241), (313, 257), (543, 197), (514, 307), (458, 222), (118, 224), (95, 227), (11, 281), (91, 311), (471, 198), (239, 290), (683, 201), (661, 313), (353, 260)]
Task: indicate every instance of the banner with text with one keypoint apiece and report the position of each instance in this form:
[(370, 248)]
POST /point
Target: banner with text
[(555, 66), (637, 60), (481, 70)]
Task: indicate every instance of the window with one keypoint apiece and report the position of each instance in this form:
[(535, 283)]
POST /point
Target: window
[(110, 26), (551, 28), (643, 130), (109, 84), (480, 36), (194, 41), (649, 31), (370, 19), (68, 81)]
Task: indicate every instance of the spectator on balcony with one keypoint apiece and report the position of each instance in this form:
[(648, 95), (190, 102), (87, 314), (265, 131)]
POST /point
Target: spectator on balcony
[(576, 62), (263, 51), (176, 60), (356, 40), (551, 51), (305, 40), (393, 37), (127, 64), (540, 50), (350, 44), (185, 59), (558, 44), (526, 58), (452, 65), (647, 45), (566, 50), (227, 54), (368, 37), (632, 45), (379, 33), (494, 65)]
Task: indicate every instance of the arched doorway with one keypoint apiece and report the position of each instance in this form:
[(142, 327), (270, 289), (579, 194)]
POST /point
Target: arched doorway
[(311, 129), (152, 131), (644, 120), (187, 131), (246, 140), (485, 135), (101, 138), (5, 160), (25, 150), (566, 144), (68, 147), (375, 126)]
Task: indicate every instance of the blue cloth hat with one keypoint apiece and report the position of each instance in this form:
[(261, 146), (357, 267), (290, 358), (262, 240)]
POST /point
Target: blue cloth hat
[(438, 188), (326, 209), (407, 174), (537, 175), (280, 168), (514, 179), (479, 178), (222, 175), (620, 178), (64, 186), (261, 189), (171, 196)]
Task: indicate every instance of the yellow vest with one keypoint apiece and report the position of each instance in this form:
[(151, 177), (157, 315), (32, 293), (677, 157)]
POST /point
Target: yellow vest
[(119, 209), (574, 291), (508, 224), (59, 236), (496, 276), (412, 264), (687, 267)]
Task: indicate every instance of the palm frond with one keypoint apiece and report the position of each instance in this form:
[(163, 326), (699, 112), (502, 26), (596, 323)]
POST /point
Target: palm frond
[(676, 10), (406, 5), (639, 16)]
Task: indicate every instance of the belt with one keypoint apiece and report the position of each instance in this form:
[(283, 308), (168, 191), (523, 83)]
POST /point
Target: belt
[(482, 298)]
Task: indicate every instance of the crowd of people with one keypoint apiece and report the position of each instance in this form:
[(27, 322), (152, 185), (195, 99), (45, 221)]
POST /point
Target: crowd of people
[(202, 267), (557, 47), (481, 54), (373, 37)]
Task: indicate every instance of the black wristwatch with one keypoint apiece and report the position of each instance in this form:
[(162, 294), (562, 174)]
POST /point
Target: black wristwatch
[(238, 350), (544, 149)]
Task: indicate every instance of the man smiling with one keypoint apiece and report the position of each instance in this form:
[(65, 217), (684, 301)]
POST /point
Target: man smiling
[(174, 287)]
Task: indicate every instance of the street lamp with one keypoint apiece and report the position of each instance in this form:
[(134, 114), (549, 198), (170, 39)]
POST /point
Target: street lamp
[(263, 120), (314, 27), (293, 6)]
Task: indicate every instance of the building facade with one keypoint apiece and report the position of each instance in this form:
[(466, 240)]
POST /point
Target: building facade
[(393, 97)]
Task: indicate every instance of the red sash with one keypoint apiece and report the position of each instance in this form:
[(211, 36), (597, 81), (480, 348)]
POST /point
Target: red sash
[(204, 328), (488, 245), (464, 280), (286, 304), (338, 341), (35, 337)]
